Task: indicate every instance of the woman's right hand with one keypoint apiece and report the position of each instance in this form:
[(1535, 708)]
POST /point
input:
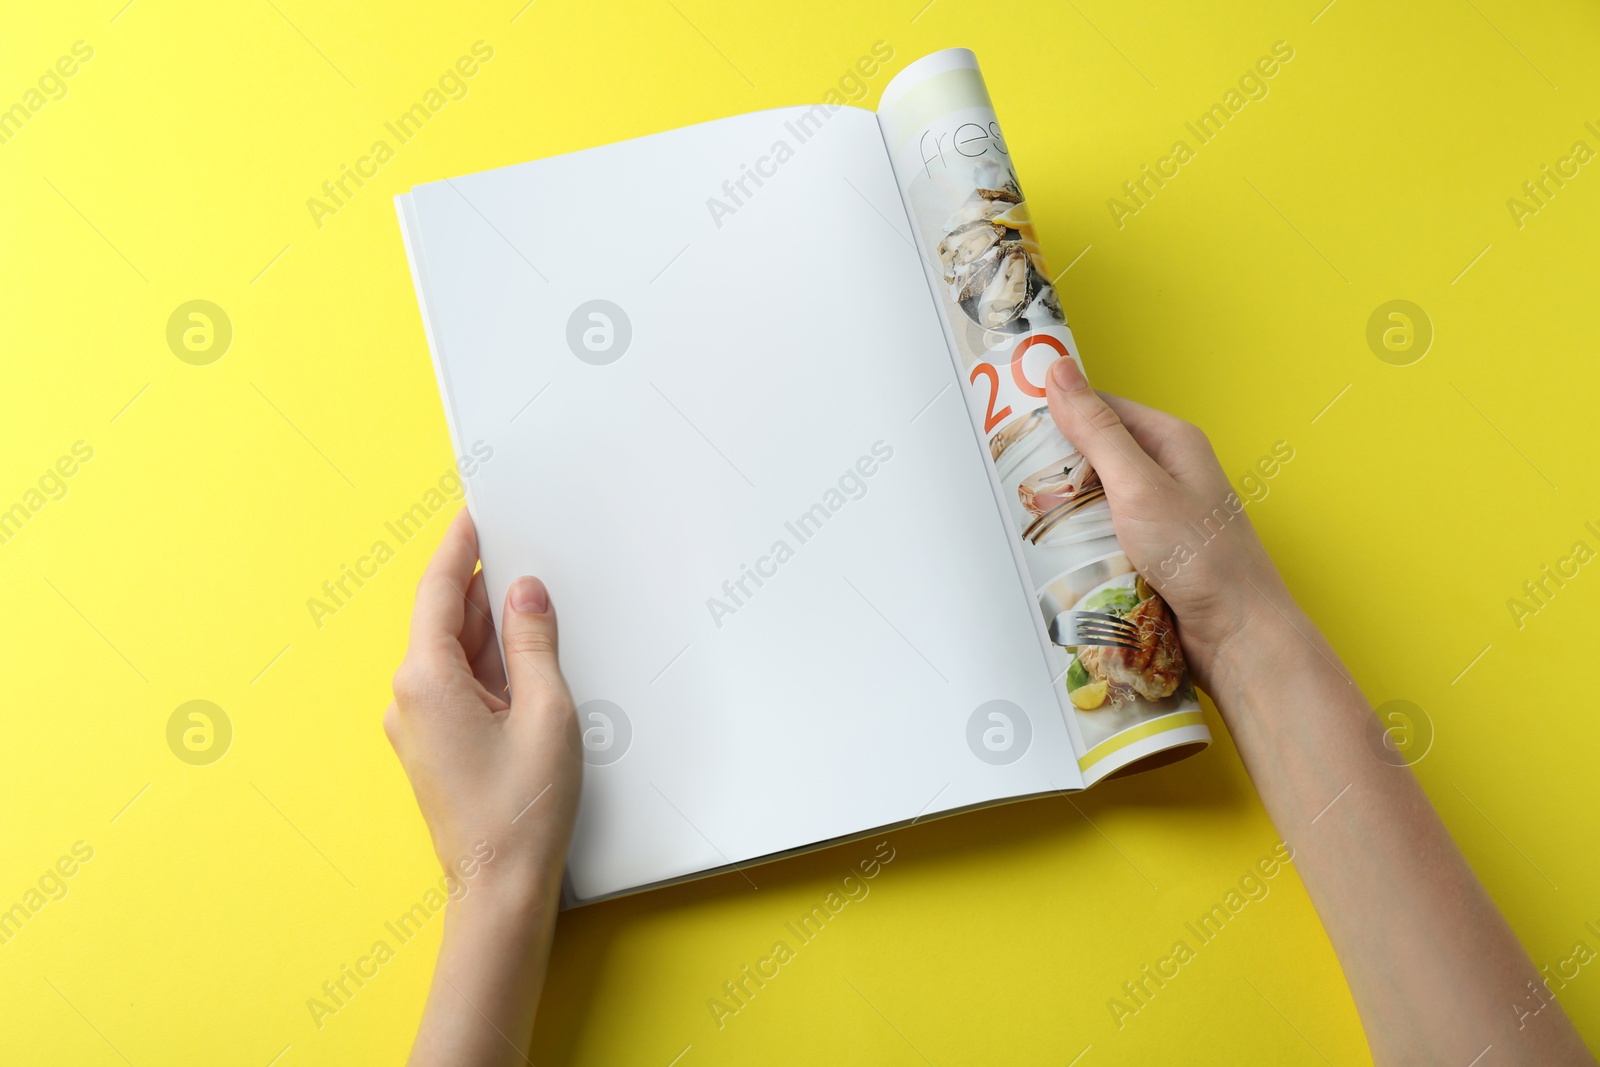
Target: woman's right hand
[(1434, 970), (1176, 515)]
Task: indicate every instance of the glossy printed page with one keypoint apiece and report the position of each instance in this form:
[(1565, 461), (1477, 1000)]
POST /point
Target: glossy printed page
[(725, 430), (1112, 643)]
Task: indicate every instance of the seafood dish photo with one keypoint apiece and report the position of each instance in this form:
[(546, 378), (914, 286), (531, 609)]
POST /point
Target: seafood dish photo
[(990, 257), (1057, 493)]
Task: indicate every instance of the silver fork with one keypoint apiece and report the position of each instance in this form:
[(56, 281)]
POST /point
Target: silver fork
[(1074, 628)]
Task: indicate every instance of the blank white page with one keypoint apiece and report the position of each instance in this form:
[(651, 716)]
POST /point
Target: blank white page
[(768, 355)]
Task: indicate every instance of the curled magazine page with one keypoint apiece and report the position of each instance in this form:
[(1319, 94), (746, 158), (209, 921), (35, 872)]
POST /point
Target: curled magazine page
[(1120, 675)]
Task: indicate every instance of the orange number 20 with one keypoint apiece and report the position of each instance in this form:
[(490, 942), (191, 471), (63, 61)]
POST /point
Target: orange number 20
[(991, 418), (1027, 387)]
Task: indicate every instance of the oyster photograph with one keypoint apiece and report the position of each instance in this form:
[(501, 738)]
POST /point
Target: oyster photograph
[(990, 259)]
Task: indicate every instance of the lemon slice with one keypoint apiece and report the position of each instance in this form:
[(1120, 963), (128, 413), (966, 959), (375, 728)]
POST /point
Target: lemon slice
[(1091, 696), (1014, 217)]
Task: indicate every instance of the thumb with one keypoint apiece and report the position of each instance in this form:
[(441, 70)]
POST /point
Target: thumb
[(1095, 429), (528, 633)]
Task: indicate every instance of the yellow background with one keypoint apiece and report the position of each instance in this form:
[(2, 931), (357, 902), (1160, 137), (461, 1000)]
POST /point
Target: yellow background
[(178, 565)]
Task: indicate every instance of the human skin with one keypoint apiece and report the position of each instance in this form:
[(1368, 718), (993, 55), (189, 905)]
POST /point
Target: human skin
[(1433, 968), (492, 751)]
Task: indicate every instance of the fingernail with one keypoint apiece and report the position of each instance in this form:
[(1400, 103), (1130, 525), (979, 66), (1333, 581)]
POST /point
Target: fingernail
[(529, 596), (1066, 375)]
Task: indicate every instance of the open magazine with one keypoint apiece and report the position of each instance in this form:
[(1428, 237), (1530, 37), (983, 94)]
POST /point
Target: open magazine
[(763, 403)]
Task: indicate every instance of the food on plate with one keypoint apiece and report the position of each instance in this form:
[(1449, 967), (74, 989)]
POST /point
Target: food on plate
[(1000, 289), (1056, 484), (1153, 671), (967, 244), (1014, 432), (1046, 307), (1091, 696), (991, 259)]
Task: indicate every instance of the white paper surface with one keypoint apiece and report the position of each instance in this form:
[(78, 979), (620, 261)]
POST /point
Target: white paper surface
[(768, 356)]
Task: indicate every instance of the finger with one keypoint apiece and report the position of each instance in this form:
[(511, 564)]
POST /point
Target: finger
[(528, 631), (1169, 440), (480, 642), (477, 627), (493, 699), (488, 668), (442, 593), (1093, 427)]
